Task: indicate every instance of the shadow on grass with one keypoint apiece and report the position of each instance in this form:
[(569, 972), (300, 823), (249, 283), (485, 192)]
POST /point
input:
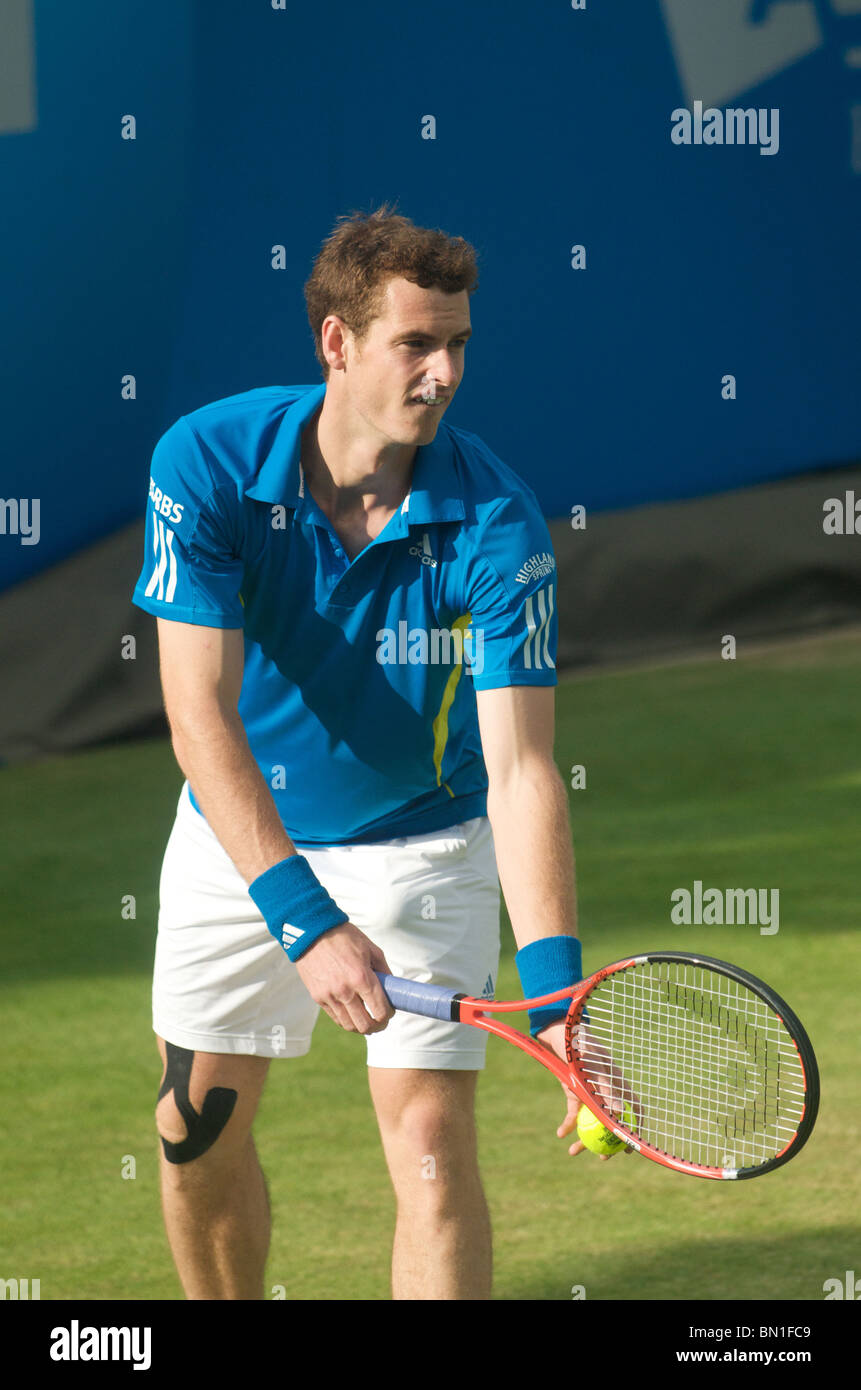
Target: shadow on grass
[(794, 1266)]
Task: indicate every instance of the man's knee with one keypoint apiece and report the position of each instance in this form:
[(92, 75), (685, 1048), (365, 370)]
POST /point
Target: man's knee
[(428, 1127), (194, 1112)]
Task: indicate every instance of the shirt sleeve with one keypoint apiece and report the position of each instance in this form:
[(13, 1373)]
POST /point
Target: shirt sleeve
[(511, 596), (193, 569)]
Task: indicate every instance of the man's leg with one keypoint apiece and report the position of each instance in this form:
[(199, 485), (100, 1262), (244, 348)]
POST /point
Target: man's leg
[(442, 1244), (216, 1207)]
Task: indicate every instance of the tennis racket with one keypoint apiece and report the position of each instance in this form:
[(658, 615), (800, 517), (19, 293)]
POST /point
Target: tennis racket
[(694, 1063)]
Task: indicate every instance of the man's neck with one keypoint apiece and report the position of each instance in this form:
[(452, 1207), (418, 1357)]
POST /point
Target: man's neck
[(349, 474)]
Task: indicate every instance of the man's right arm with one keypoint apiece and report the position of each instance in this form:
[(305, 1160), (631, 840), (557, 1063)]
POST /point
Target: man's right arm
[(201, 673)]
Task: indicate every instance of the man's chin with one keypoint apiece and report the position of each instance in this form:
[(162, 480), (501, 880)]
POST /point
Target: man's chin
[(427, 417), (416, 426)]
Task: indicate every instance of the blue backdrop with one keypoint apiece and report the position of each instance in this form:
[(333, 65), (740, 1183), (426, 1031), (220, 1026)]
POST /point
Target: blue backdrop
[(256, 126)]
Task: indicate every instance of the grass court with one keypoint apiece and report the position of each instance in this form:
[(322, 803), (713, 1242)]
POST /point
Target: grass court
[(741, 774)]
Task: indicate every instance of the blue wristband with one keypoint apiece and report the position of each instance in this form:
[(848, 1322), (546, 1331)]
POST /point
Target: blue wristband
[(554, 962), (295, 905)]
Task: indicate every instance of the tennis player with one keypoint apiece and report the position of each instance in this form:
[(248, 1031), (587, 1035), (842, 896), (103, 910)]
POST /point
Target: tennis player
[(357, 628)]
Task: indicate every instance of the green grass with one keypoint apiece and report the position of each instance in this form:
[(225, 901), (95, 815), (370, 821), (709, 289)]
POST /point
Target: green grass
[(740, 774)]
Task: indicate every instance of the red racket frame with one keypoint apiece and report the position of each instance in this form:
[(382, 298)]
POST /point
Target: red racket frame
[(475, 1013)]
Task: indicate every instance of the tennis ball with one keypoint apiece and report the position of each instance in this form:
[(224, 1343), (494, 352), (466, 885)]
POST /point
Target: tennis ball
[(597, 1138)]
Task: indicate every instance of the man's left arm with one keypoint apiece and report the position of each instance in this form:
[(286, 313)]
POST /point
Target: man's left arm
[(527, 805)]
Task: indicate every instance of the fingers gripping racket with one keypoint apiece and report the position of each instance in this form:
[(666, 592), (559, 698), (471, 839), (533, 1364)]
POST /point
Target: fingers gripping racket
[(693, 1062)]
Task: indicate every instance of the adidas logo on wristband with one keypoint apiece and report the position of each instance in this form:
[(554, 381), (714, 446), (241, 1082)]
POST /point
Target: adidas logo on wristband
[(290, 935)]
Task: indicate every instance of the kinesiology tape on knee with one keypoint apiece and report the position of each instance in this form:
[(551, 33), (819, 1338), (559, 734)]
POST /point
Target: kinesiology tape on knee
[(295, 905), (204, 1128)]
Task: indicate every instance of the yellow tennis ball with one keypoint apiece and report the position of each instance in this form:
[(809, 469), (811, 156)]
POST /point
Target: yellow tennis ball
[(594, 1134)]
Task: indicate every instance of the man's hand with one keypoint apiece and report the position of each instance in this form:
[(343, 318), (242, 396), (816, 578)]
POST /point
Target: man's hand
[(338, 973), (612, 1086)]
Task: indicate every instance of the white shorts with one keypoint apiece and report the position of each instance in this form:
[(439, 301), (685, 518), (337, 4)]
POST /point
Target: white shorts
[(223, 984)]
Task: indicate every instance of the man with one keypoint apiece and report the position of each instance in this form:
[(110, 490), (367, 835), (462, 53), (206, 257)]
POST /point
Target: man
[(357, 630)]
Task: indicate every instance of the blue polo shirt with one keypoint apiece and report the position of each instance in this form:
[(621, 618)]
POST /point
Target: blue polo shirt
[(358, 696)]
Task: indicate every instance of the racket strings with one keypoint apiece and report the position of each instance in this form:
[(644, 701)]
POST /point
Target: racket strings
[(715, 1072)]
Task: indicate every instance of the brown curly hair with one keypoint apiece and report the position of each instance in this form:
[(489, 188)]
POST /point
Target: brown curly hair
[(364, 252)]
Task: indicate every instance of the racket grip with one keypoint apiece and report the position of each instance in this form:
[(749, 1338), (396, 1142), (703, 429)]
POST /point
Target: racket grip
[(431, 1001)]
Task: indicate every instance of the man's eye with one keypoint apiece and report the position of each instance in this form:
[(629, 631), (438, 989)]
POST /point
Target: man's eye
[(418, 343)]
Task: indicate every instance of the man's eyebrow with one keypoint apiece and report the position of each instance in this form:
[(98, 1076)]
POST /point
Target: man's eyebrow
[(419, 333)]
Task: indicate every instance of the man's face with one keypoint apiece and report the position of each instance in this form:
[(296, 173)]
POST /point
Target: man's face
[(401, 376)]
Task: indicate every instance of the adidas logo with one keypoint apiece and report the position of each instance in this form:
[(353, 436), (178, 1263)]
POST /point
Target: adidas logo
[(487, 992), (423, 552), (290, 935)]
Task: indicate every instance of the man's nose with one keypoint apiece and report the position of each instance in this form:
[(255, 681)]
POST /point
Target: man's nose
[(443, 370)]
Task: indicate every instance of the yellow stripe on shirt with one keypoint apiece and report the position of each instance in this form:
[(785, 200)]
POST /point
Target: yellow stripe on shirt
[(440, 724)]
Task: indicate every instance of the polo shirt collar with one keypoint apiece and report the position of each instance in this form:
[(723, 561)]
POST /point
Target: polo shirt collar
[(433, 496), (435, 491), (281, 478)]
